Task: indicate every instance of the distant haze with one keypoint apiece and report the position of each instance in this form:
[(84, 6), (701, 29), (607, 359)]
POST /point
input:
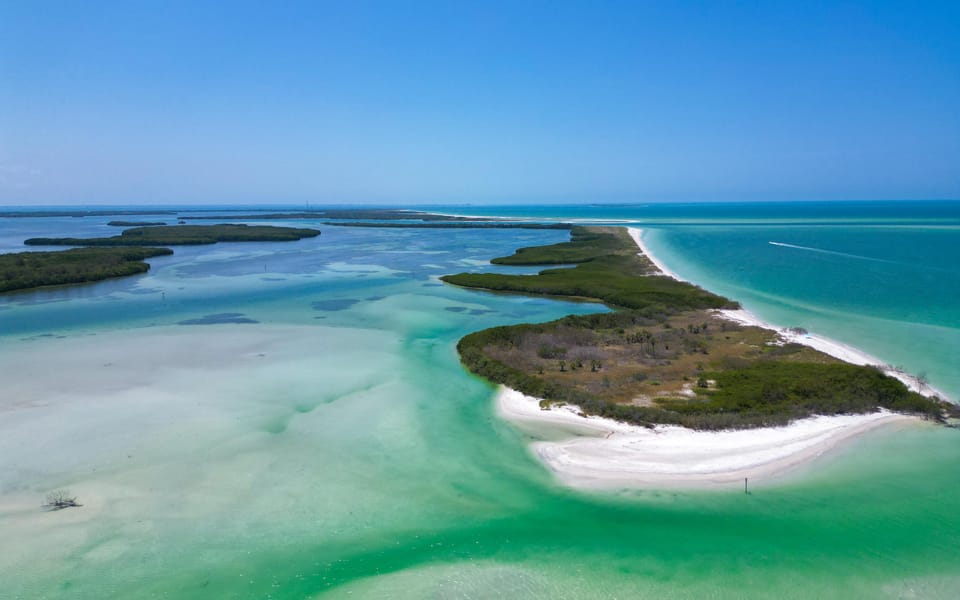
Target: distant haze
[(488, 102)]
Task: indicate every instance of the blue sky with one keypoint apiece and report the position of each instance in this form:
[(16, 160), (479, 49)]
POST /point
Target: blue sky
[(418, 102)]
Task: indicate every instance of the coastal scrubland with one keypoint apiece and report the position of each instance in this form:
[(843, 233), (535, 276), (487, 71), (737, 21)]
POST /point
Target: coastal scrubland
[(664, 356), (26, 270)]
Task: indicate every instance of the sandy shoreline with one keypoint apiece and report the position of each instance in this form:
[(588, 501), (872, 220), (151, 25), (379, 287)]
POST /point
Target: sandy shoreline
[(602, 453), (594, 452), (637, 236), (817, 342)]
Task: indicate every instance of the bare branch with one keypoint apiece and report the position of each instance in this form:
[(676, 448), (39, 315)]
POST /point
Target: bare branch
[(60, 499)]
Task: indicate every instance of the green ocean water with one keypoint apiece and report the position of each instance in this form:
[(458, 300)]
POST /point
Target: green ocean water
[(335, 448)]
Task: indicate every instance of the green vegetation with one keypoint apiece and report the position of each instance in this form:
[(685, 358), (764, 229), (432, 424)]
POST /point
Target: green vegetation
[(586, 244), (779, 391), (25, 270), (168, 235), (103, 258), (664, 357), (456, 225), (608, 270)]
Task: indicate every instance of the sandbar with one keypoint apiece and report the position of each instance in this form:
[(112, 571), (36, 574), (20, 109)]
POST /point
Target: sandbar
[(600, 453)]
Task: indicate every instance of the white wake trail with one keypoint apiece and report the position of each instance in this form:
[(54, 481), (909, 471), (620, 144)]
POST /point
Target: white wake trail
[(832, 252)]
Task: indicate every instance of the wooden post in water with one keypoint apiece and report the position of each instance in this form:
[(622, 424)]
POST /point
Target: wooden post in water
[(745, 490)]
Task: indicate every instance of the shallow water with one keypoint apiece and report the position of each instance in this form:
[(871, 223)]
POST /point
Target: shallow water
[(333, 446)]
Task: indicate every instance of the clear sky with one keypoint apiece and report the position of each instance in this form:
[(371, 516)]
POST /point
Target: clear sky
[(519, 101)]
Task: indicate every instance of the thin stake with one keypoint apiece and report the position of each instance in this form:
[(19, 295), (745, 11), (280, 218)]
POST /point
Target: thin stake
[(745, 490)]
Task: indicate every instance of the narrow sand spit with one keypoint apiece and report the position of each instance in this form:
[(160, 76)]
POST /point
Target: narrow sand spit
[(603, 453), (637, 235)]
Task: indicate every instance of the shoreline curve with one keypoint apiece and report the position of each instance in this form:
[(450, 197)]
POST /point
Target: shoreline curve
[(817, 342), (599, 453), (591, 452)]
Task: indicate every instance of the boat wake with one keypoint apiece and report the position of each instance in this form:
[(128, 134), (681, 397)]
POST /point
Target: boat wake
[(833, 252)]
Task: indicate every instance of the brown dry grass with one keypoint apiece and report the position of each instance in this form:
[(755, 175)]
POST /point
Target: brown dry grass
[(640, 364)]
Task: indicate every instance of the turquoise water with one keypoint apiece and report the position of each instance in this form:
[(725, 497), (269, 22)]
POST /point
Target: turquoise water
[(309, 432), (892, 290), (880, 276)]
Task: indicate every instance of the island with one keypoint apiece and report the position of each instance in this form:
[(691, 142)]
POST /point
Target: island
[(171, 235), (22, 214), (27, 270), (135, 223), (122, 255), (379, 214), (667, 354), (452, 225)]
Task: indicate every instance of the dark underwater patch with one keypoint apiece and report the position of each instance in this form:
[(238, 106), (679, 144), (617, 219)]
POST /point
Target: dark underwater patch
[(334, 304), (219, 319)]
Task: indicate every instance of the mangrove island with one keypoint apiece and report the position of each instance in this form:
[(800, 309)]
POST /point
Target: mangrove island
[(172, 235), (665, 354), (27, 270)]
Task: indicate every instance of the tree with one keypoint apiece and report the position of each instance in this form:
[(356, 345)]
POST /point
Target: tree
[(60, 499), (645, 336), (922, 381)]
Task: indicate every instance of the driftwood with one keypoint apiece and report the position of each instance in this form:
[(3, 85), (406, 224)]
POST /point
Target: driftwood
[(60, 499)]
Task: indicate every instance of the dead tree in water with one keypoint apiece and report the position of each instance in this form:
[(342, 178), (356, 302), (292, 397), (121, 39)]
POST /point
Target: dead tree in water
[(922, 381), (60, 499)]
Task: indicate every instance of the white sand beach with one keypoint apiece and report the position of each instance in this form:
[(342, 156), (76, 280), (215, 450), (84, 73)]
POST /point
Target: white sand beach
[(594, 452), (817, 342), (637, 235), (603, 453)]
